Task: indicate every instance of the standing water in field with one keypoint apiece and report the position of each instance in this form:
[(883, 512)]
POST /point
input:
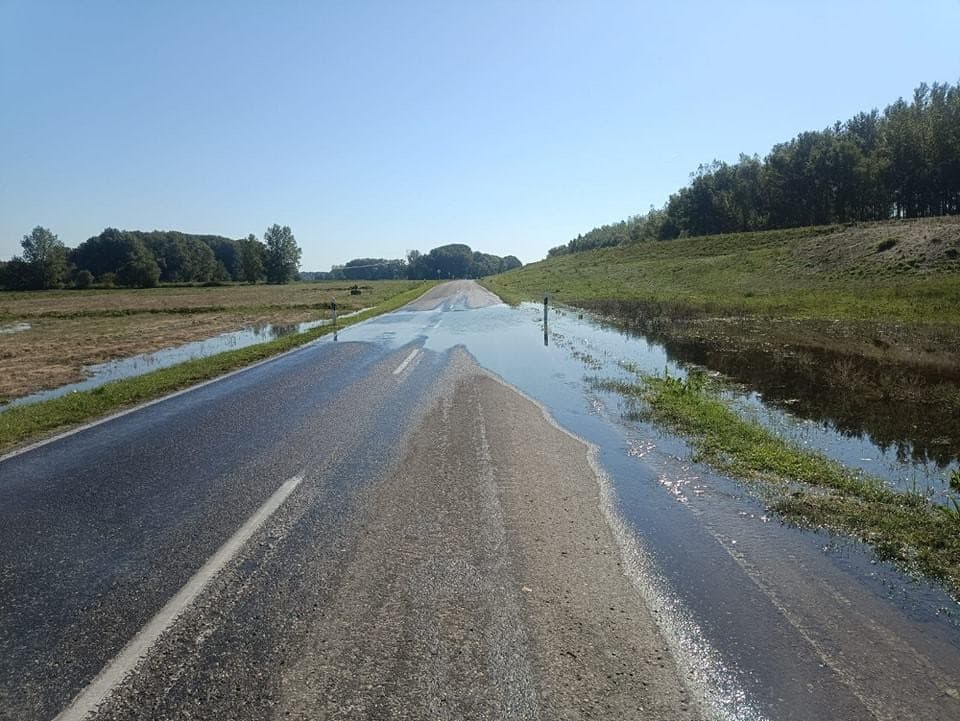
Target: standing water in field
[(114, 370)]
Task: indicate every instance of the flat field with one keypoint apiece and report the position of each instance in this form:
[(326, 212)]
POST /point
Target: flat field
[(47, 337)]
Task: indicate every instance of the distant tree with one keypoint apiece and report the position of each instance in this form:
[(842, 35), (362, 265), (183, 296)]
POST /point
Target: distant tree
[(227, 253), (105, 253), (451, 261), (903, 162), (181, 258), (418, 267), (374, 269), (509, 263), (46, 257), (83, 280), (484, 264), (18, 274), (283, 254), (252, 255), (140, 270)]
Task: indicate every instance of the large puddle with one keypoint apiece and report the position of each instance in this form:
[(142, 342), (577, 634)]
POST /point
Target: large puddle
[(910, 446)]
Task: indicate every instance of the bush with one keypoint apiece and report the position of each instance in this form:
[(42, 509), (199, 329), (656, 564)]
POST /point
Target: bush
[(83, 280)]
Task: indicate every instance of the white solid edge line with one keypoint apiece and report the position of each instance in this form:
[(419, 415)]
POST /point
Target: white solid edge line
[(406, 361), (91, 697), (161, 399)]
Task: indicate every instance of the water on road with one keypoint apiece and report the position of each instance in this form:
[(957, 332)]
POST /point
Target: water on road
[(769, 621)]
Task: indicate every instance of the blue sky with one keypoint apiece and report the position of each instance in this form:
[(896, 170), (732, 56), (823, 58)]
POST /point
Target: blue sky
[(375, 127)]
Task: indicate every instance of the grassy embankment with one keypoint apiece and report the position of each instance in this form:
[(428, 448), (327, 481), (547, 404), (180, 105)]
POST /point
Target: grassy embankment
[(21, 424), (880, 305), (907, 271)]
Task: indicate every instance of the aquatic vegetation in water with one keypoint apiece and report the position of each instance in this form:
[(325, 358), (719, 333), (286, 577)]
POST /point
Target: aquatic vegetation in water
[(804, 487)]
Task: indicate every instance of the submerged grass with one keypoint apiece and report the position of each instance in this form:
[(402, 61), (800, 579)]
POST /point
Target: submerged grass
[(21, 424), (803, 487)]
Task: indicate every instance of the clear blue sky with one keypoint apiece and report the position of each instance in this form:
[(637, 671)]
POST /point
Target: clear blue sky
[(375, 127)]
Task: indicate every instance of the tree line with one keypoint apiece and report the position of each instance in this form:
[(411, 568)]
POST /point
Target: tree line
[(447, 261), (141, 259), (901, 163)]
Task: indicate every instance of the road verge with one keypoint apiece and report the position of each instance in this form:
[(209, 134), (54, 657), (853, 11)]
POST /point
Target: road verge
[(29, 423)]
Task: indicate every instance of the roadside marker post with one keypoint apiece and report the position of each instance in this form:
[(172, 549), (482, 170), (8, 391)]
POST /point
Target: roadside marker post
[(333, 305), (546, 340)]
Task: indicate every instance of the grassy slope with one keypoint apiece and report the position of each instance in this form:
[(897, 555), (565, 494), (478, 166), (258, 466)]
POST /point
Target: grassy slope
[(905, 275), (826, 272), (23, 424)]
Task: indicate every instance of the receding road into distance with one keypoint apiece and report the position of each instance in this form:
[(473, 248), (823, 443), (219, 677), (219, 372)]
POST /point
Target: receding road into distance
[(369, 528)]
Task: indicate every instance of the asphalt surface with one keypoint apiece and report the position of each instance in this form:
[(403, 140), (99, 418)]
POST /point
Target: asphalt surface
[(442, 554), (376, 527)]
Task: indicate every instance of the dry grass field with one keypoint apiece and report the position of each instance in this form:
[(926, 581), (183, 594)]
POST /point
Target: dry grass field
[(47, 337)]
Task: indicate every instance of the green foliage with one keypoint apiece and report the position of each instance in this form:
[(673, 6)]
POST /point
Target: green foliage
[(43, 264), (282, 259), (140, 270), (900, 526), (955, 480), (904, 163), (83, 280), (252, 256), (105, 253), (372, 269), (764, 273), (181, 258)]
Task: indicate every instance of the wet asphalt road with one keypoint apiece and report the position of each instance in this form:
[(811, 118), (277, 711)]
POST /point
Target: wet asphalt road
[(416, 570), (101, 528), (442, 556)]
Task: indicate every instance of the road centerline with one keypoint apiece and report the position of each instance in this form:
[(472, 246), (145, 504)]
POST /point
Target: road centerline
[(406, 361), (97, 691)]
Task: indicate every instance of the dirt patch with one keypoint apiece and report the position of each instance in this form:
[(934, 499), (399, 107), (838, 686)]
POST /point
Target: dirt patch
[(920, 246)]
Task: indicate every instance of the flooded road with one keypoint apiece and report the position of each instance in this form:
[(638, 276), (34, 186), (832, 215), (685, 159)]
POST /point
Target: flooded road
[(768, 621), (765, 621)]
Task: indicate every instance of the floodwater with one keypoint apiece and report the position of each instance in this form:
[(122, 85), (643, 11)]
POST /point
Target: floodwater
[(905, 445), (768, 621), (102, 373), (14, 328)]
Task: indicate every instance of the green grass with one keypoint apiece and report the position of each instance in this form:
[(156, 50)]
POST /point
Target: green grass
[(803, 487), (795, 273), (22, 424)]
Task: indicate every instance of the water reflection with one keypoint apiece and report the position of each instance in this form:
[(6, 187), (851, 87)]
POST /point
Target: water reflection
[(905, 409), (102, 373)]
